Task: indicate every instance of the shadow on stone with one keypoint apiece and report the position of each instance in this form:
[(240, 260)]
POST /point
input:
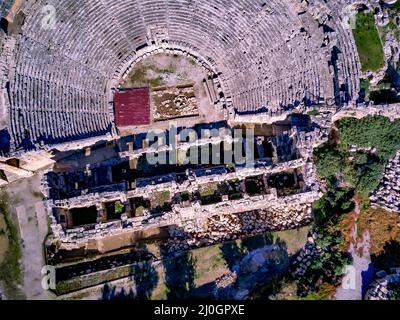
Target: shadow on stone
[(145, 280), (179, 274)]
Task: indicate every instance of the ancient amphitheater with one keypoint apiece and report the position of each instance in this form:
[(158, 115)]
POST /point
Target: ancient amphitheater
[(57, 78), (285, 68)]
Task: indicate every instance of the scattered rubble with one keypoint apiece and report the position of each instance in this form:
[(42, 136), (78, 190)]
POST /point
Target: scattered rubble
[(387, 195), (381, 288)]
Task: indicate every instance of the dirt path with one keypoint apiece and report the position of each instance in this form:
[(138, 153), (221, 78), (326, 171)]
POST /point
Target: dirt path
[(361, 265), (32, 225)]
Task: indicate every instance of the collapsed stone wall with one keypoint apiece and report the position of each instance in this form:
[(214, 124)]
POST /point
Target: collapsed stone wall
[(381, 288), (226, 227), (387, 195)]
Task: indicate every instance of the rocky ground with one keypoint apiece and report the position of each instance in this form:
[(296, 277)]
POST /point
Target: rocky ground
[(382, 288)]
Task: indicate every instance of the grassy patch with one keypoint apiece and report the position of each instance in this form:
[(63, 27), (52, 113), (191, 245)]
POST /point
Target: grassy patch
[(139, 211), (148, 74), (365, 87), (208, 189), (160, 198), (3, 239), (10, 269), (138, 74), (210, 266), (368, 43), (119, 207), (155, 82), (314, 112), (294, 239)]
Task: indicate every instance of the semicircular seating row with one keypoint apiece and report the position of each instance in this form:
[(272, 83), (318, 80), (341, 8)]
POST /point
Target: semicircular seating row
[(61, 87)]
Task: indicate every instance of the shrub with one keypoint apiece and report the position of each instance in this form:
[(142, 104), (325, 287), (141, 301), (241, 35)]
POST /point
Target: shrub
[(329, 161), (365, 171)]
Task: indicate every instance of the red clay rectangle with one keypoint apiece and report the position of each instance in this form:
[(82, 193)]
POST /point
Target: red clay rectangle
[(132, 107)]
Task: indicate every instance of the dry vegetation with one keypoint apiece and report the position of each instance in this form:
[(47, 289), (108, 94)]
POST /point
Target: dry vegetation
[(368, 42), (346, 226), (211, 265), (3, 238), (208, 189), (146, 74), (293, 239), (325, 292), (382, 226)]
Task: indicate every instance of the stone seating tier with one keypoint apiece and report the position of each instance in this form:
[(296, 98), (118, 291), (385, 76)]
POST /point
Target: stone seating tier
[(265, 55)]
